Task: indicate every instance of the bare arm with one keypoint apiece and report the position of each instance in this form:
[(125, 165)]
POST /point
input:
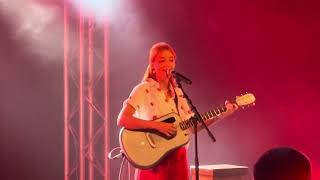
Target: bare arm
[(128, 121)]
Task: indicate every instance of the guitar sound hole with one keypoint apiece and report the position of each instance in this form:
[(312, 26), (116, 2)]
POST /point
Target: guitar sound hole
[(169, 120)]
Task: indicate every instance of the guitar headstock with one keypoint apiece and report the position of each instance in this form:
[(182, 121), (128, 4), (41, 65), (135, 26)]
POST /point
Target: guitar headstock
[(247, 99)]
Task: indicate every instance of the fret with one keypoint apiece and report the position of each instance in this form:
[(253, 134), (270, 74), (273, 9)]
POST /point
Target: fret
[(189, 124), (203, 116), (185, 124), (182, 125), (208, 115), (192, 122), (211, 114), (217, 113), (221, 109)]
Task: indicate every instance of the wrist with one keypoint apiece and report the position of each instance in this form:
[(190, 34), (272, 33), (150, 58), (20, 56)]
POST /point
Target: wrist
[(152, 125)]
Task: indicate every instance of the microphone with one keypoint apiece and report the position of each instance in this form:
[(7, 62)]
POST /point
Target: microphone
[(169, 73), (179, 77)]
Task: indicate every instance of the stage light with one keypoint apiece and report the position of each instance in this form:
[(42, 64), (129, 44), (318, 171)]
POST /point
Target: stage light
[(100, 9)]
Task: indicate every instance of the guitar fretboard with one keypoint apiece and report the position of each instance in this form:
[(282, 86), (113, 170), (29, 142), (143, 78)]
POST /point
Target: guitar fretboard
[(205, 116)]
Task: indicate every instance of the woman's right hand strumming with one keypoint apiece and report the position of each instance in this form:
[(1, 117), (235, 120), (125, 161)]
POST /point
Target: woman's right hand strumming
[(167, 129)]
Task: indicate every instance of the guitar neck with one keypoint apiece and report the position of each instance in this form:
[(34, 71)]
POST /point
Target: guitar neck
[(214, 113)]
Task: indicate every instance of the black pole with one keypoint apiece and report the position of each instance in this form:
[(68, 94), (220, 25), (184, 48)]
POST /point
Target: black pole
[(198, 118)]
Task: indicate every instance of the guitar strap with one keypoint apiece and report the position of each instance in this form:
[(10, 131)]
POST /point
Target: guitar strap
[(176, 101)]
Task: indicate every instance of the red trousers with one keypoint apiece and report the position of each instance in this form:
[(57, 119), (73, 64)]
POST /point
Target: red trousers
[(173, 167)]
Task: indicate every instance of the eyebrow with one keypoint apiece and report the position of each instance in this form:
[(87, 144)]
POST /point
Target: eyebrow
[(169, 57)]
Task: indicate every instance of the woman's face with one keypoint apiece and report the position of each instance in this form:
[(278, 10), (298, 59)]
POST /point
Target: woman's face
[(163, 63)]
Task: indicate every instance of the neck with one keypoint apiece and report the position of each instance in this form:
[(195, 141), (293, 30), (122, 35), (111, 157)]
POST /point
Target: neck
[(164, 84)]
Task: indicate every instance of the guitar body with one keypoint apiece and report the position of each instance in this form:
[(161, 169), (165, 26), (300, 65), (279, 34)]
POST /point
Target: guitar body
[(145, 148)]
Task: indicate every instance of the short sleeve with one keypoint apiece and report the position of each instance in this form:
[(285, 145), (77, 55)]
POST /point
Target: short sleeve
[(137, 97)]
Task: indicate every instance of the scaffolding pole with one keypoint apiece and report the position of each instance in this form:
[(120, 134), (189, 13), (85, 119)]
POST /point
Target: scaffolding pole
[(86, 129)]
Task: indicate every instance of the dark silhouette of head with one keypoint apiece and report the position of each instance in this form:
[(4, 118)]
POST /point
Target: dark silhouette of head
[(282, 163)]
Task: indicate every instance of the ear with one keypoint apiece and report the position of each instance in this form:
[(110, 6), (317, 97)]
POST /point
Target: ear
[(152, 71), (151, 67)]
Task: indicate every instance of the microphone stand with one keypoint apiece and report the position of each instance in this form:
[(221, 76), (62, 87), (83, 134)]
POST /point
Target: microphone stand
[(198, 118)]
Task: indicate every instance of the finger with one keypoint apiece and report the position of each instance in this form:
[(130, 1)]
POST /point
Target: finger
[(173, 133), (167, 133), (229, 106), (172, 130)]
